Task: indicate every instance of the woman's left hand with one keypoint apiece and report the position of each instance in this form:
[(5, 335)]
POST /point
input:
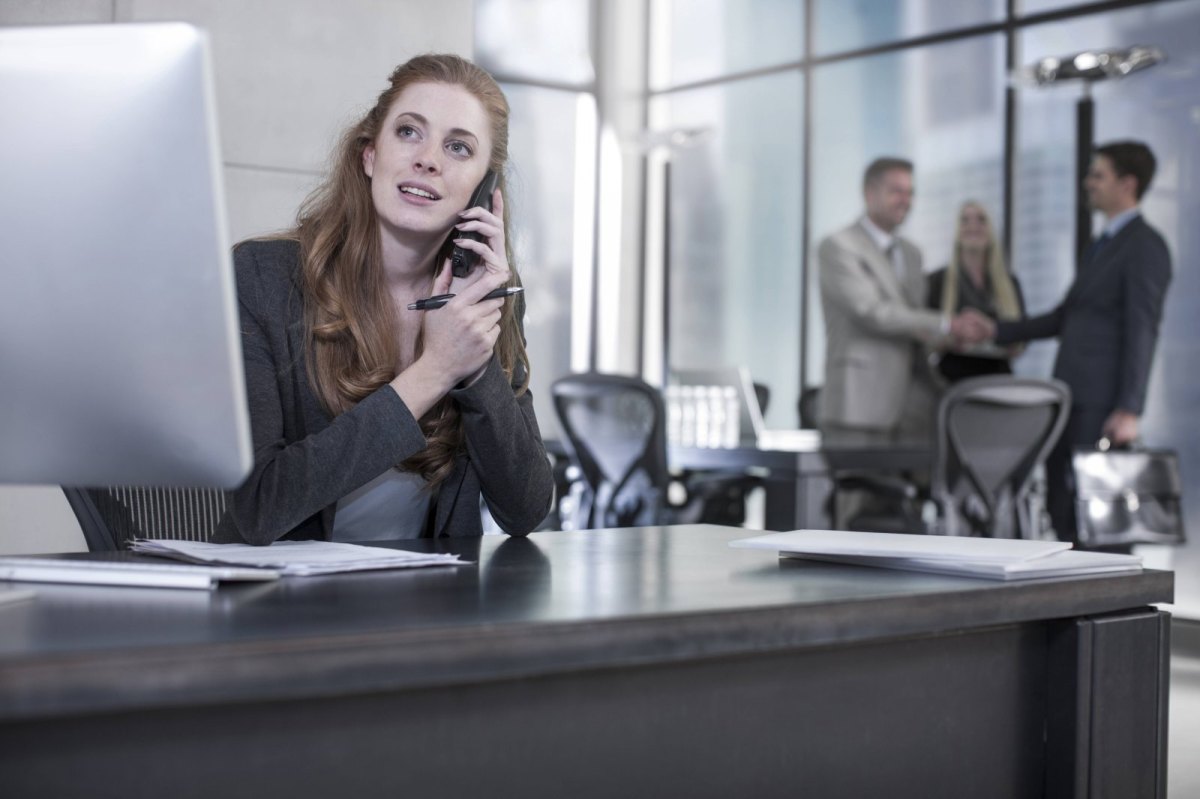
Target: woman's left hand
[(493, 257)]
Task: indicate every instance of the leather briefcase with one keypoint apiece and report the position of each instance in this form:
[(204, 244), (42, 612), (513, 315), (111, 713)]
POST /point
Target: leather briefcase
[(1128, 496)]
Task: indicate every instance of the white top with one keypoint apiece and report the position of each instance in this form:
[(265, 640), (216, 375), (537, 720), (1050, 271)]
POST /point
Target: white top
[(392, 506)]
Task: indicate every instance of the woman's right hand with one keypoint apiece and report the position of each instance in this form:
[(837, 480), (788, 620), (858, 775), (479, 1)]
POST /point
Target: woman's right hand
[(461, 335)]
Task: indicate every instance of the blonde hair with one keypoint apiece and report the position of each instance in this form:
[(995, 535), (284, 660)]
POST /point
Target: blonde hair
[(1005, 293), (350, 321)]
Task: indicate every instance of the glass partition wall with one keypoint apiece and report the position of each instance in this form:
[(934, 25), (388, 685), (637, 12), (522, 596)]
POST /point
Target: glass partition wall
[(795, 98), (764, 113), (733, 281), (541, 52)]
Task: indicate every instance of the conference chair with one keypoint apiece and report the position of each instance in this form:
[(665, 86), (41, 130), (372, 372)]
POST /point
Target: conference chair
[(112, 517), (616, 442), (615, 432), (992, 434), (895, 502), (808, 407)]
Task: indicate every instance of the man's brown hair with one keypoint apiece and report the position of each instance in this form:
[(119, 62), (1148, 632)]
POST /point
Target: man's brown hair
[(881, 166)]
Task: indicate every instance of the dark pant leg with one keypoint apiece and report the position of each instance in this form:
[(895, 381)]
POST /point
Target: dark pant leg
[(1082, 431), (846, 504)]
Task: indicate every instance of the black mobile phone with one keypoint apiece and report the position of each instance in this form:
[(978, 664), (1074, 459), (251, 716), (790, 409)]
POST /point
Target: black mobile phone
[(462, 261)]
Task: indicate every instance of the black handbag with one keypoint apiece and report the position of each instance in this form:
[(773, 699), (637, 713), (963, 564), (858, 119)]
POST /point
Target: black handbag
[(1127, 496)]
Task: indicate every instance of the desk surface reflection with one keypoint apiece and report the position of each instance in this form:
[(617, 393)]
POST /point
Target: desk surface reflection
[(566, 660)]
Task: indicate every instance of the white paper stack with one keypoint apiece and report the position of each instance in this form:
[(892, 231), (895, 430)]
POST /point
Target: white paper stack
[(993, 558), (295, 558)]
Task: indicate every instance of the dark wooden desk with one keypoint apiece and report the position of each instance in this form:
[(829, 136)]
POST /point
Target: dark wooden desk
[(644, 662), (798, 480)]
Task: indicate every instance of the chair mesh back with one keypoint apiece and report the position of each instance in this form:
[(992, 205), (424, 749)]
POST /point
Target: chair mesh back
[(189, 514), (992, 434), (614, 425), (998, 441), (617, 428)]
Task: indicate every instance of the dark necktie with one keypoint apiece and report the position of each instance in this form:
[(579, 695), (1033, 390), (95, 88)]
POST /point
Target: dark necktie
[(1095, 247), (895, 259)]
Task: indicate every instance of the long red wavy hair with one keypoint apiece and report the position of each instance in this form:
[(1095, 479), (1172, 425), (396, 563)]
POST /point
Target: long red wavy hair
[(350, 319)]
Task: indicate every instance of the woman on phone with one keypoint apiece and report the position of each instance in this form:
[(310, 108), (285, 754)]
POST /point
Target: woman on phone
[(372, 421)]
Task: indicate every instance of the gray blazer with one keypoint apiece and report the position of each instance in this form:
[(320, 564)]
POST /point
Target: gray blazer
[(1108, 322), (872, 321), (304, 461)]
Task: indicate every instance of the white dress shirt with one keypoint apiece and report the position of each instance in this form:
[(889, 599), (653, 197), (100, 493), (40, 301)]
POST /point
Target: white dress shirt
[(887, 245), (1113, 226)]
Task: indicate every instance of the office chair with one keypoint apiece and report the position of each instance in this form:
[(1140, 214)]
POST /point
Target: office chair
[(112, 517), (991, 435), (616, 436), (895, 500), (808, 407)]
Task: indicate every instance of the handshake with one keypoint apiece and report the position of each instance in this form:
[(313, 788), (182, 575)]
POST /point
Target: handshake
[(970, 327)]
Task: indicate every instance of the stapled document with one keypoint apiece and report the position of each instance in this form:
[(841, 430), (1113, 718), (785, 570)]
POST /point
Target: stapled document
[(295, 558), (992, 558), (899, 545)]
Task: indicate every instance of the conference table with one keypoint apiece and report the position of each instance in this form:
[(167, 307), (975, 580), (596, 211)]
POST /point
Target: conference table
[(797, 473), (652, 661)]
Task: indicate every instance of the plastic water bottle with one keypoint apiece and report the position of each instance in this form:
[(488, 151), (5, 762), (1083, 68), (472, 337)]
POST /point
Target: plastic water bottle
[(674, 415), (703, 417), (687, 416), (733, 418), (716, 416)]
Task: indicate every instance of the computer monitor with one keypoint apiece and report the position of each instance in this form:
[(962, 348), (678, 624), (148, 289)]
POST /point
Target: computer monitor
[(120, 353)]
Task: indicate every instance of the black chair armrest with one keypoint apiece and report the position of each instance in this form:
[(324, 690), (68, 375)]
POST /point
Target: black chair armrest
[(889, 485)]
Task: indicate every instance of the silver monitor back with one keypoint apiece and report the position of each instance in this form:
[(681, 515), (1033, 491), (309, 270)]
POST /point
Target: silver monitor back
[(120, 354)]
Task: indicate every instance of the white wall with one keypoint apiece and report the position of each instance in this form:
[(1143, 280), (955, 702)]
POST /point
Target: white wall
[(37, 519), (290, 74)]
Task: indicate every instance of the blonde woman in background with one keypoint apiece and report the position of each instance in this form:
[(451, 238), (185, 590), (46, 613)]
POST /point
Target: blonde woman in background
[(978, 278)]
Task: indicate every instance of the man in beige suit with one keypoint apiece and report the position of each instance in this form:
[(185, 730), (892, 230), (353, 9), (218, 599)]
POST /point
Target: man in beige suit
[(879, 389)]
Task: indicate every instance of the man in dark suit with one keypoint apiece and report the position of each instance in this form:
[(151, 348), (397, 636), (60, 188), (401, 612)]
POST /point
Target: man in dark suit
[(1108, 322)]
